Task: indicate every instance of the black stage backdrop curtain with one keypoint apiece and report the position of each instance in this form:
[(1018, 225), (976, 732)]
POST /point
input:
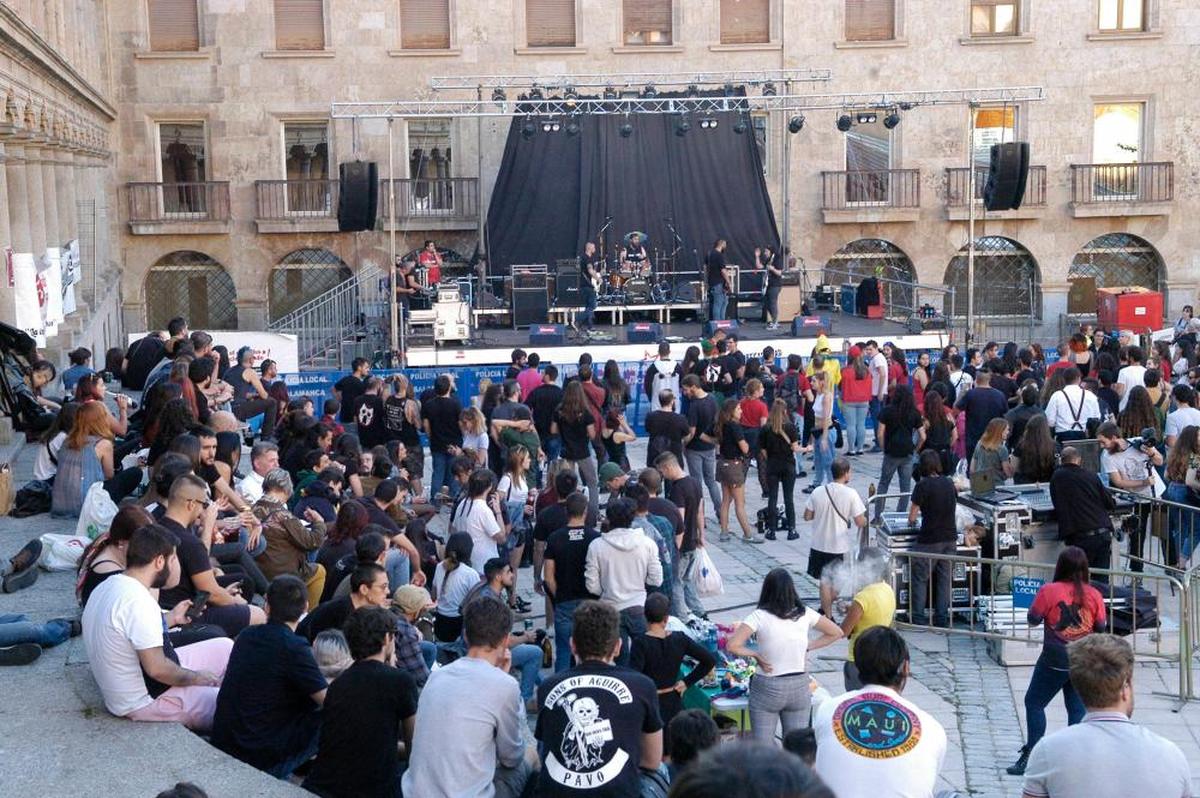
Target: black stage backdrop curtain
[(554, 191)]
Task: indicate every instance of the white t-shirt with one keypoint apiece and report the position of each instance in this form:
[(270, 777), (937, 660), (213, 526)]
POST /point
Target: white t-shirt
[(1130, 377), (783, 644), (874, 742), (477, 520), (43, 468), (830, 533), (476, 443), (513, 491), (1131, 463), (1180, 419), (879, 369), (452, 589), (961, 382), (121, 618), (251, 487)]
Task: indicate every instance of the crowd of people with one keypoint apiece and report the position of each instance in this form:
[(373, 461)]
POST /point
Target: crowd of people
[(327, 612)]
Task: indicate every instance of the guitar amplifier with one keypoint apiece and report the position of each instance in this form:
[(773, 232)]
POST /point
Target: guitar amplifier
[(825, 297), (567, 292), (547, 334), (812, 325), (643, 332)]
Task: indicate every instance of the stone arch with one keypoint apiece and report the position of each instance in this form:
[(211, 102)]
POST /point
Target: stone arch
[(1008, 281), (1119, 259), (875, 257), (193, 285), (301, 276)]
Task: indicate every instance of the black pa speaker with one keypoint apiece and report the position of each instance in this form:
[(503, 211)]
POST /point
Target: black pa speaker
[(358, 196), (643, 332), (728, 325), (547, 334), (566, 287), (530, 305), (1007, 175), (809, 326)]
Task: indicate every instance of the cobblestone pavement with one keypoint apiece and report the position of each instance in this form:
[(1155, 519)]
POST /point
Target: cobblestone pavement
[(64, 738)]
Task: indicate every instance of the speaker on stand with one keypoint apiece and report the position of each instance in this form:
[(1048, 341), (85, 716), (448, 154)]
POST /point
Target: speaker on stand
[(1008, 173), (358, 196)]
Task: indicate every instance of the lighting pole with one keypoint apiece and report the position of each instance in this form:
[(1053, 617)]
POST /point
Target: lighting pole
[(971, 223), (392, 244)]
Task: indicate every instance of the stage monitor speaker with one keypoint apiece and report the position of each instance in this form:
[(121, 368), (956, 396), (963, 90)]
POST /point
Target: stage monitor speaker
[(566, 288), (530, 306), (358, 196), (811, 325), (643, 332), (1007, 175), (547, 334), (728, 325)]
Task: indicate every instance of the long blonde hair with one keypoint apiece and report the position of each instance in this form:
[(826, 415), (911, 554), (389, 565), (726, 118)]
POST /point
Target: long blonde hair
[(91, 420), (993, 436), (778, 416)]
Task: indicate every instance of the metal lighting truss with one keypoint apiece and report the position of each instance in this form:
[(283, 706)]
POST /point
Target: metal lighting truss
[(630, 79), (558, 106)]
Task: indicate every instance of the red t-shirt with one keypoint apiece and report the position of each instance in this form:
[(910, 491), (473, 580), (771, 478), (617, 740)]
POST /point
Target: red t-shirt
[(1056, 365), (1065, 620), (754, 412), (855, 389), (896, 376), (429, 261)]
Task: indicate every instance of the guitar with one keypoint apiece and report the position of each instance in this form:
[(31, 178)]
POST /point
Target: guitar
[(593, 275)]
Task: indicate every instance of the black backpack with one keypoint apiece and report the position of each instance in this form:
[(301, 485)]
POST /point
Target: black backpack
[(33, 499)]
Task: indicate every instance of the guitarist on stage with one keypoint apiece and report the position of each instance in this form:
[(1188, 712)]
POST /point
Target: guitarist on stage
[(589, 284), (717, 278)]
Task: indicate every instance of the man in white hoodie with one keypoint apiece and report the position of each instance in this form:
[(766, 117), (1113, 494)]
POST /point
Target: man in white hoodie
[(621, 563), (663, 375)]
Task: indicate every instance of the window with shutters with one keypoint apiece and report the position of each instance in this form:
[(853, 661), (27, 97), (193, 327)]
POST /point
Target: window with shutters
[(174, 25), (870, 20), (994, 18), (993, 125), (549, 23), (425, 24), (1122, 16), (745, 21), (648, 22), (300, 24)]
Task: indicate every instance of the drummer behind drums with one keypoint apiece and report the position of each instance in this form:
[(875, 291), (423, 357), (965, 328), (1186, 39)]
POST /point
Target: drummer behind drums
[(634, 260)]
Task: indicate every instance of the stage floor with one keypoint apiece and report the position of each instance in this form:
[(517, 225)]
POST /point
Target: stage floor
[(493, 345)]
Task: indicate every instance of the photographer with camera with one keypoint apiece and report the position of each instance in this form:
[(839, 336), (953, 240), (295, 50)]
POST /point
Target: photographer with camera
[(1130, 465)]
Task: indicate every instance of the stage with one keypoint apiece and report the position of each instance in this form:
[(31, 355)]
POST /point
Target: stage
[(494, 344)]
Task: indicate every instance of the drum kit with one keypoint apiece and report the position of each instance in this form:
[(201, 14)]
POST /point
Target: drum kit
[(635, 282)]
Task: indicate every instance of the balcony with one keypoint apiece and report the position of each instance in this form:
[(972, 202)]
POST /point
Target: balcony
[(444, 203), (871, 196), (178, 208), (296, 206), (1122, 189), (958, 186)]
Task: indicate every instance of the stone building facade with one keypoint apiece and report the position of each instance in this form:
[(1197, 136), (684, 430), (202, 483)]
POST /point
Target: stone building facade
[(225, 152)]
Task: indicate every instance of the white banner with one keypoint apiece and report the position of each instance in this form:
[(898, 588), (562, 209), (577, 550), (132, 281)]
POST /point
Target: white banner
[(26, 305), (72, 273), (50, 274), (279, 347)]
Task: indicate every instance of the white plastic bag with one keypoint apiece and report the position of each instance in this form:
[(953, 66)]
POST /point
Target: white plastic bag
[(961, 480), (96, 515), (708, 579), (61, 552)]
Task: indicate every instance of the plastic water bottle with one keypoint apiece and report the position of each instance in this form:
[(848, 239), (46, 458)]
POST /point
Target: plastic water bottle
[(710, 638)]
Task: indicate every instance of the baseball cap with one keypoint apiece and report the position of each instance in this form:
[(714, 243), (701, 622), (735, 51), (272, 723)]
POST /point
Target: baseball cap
[(411, 599), (855, 351), (610, 471)]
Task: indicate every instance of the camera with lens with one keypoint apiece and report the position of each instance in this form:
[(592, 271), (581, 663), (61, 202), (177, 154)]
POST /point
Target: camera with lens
[(1148, 438)]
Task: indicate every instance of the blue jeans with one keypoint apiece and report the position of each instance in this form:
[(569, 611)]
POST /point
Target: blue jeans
[(564, 625), (244, 539), (1043, 686), (684, 598), (527, 659), (873, 408), (1182, 523), (702, 467), (399, 569), (442, 475), (588, 317), (720, 301), (310, 725), (428, 653), (633, 623), (856, 425), (552, 446), (903, 467), (16, 628), (823, 454)]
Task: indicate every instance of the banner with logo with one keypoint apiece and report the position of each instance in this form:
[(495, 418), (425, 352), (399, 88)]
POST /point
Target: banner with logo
[(27, 305)]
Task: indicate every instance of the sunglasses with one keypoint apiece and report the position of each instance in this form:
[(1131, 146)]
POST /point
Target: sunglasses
[(204, 502)]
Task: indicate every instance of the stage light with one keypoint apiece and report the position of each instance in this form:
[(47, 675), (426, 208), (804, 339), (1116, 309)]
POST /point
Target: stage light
[(535, 93), (572, 128), (626, 130), (570, 97), (907, 106), (551, 126), (867, 118), (649, 92), (498, 95), (892, 119), (693, 90), (708, 123), (796, 123), (740, 125), (610, 92), (844, 123), (683, 127), (768, 89), (730, 90), (528, 130)]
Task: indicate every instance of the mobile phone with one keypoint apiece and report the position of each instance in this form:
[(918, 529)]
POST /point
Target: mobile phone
[(198, 605)]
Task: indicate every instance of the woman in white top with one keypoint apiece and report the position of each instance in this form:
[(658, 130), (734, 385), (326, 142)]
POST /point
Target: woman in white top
[(518, 500), (779, 688), (479, 515), (474, 434), (452, 581), (822, 432), (46, 464)]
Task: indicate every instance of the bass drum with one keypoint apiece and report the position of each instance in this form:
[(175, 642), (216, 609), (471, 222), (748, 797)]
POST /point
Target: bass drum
[(637, 292)]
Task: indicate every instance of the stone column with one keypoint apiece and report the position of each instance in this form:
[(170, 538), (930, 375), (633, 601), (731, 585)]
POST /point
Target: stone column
[(36, 201), (64, 178), (16, 175), (50, 197), (5, 224)]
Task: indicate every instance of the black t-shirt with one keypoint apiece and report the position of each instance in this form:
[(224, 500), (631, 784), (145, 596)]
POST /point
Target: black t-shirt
[(378, 516), (143, 356), (731, 436), (551, 519), (774, 280), (685, 493), (265, 712), (543, 401), (351, 388), (575, 442), (714, 263), (568, 548), (668, 510), (330, 615), (591, 722), (350, 764), (512, 372), (442, 413), (666, 431), (193, 559), (779, 447), (701, 415), (333, 557), (981, 406), (937, 499), (1004, 385), (899, 431), (371, 419)]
